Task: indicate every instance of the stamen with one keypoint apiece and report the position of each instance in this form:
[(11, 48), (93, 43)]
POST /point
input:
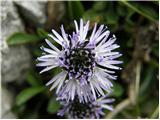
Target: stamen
[(80, 62)]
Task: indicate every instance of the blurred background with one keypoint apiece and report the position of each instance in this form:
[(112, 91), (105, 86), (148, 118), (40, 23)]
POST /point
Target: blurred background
[(25, 24)]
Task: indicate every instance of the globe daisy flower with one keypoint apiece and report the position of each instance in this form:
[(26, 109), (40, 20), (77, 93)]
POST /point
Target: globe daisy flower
[(91, 110), (87, 61)]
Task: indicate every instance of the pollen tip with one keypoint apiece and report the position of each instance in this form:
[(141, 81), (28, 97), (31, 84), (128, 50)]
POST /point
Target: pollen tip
[(49, 35), (120, 68), (53, 30), (41, 72), (41, 47), (51, 89), (46, 39)]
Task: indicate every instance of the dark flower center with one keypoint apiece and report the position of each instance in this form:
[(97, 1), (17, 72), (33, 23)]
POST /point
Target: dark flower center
[(81, 110), (79, 62)]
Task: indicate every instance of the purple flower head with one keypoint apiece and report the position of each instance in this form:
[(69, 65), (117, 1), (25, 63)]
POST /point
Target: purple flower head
[(91, 110), (86, 62)]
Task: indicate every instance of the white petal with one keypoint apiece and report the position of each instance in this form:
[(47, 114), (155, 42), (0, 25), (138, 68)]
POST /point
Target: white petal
[(81, 29), (48, 56), (48, 63), (113, 62), (106, 87), (55, 84), (107, 107), (76, 25), (107, 101), (115, 56), (51, 45), (69, 85), (79, 92), (64, 35), (93, 32), (98, 88), (50, 51), (99, 31), (108, 49), (112, 47), (55, 39), (93, 91), (109, 42), (104, 39), (60, 85), (105, 54), (73, 92), (51, 58), (63, 73), (48, 68), (103, 80), (85, 31), (110, 66), (106, 33), (57, 35), (109, 71)]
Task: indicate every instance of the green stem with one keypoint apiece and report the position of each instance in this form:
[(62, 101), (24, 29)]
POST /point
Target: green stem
[(155, 113), (128, 4), (138, 73), (118, 108), (137, 84)]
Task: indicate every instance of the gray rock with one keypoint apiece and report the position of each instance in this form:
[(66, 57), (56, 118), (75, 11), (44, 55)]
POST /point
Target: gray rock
[(11, 21), (15, 59), (7, 101), (15, 63), (33, 11)]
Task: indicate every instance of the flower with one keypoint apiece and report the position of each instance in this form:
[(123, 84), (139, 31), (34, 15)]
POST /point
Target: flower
[(91, 110), (86, 62)]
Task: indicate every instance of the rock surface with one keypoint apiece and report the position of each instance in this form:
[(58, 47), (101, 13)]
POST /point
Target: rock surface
[(11, 21), (15, 59), (15, 63), (7, 100), (33, 11)]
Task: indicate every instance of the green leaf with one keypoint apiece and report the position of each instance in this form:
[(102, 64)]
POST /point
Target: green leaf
[(37, 52), (155, 50), (42, 33), (75, 9), (129, 43), (154, 62), (53, 106), (99, 5), (144, 10), (156, 2), (121, 10), (33, 79), (111, 18), (91, 15), (117, 90), (27, 94), (18, 109), (22, 38), (110, 15)]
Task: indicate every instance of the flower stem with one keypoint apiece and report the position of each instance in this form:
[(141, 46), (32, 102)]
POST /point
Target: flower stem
[(138, 72), (137, 84), (118, 108), (155, 113)]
